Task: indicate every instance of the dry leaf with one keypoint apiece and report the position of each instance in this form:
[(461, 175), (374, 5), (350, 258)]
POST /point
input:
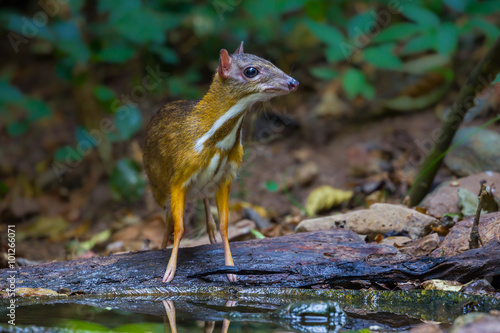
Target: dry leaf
[(443, 285), (326, 197)]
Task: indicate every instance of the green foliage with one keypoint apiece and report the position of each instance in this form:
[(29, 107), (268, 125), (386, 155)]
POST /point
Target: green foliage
[(325, 33), (18, 111), (126, 180), (127, 121), (382, 56), (447, 38), (257, 234), (271, 186), (325, 73), (384, 40), (497, 79), (424, 17), (396, 32), (354, 83)]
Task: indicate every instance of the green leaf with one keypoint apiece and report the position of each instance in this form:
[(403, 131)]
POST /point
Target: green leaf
[(368, 92), (382, 56), (257, 234), (104, 94), (324, 73), (483, 7), (447, 38), (17, 128), (354, 83), (458, 5), (143, 26), (271, 186), (497, 79), (127, 121), (166, 54), (67, 153), (126, 181), (325, 33), (115, 54), (423, 17), (36, 109), (8, 92), (421, 43), (70, 42), (26, 28), (361, 24), (83, 136), (397, 32), (339, 52), (491, 30), (76, 5), (118, 9)]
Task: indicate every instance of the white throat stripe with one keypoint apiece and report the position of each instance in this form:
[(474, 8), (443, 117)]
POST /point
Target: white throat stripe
[(230, 139), (234, 111)]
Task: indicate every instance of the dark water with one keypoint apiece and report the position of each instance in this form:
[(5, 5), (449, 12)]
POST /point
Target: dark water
[(354, 311)]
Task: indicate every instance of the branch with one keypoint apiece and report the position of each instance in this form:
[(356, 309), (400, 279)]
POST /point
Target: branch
[(480, 78)]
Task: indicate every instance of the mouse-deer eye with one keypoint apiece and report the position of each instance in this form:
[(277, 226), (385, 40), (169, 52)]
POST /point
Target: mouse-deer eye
[(250, 72)]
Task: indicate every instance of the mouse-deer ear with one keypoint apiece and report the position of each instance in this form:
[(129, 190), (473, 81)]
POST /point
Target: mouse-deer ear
[(225, 63), (239, 49)]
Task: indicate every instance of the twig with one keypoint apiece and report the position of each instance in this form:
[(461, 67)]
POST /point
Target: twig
[(475, 238), (482, 75)]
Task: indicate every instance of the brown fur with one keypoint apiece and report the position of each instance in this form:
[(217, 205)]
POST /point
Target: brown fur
[(169, 156), (179, 163)]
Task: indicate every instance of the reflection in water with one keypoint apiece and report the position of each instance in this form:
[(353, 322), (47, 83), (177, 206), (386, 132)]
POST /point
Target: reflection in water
[(263, 310), (308, 316), (209, 325)]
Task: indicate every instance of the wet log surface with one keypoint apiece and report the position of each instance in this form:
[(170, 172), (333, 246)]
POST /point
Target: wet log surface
[(325, 259)]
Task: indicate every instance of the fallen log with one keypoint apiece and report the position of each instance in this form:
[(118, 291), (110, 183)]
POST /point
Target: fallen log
[(325, 259)]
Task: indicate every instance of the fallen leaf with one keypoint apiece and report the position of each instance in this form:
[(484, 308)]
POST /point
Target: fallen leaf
[(326, 197), (29, 292), (443, 285), (52, 227)]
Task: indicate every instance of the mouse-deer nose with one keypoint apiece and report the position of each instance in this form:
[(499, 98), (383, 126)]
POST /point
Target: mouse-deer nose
[(293, 84)]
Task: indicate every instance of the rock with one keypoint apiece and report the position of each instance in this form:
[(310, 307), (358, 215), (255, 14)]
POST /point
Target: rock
[(477, 322), (421, 247), (479, 152), (457, 240), (379, 219), (444, 199), (478, 287)]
